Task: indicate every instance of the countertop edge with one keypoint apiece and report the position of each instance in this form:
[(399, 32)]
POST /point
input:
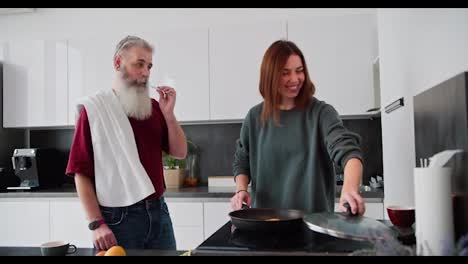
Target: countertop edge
[(199, 199), (192, 194)]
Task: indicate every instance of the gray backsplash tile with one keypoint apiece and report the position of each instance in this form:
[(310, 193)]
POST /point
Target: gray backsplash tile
[(216, 143)]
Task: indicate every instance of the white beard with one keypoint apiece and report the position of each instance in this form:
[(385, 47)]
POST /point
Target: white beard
[(135, 100)]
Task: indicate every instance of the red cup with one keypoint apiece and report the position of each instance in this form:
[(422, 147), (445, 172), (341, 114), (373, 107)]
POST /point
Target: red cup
[(401, 216)]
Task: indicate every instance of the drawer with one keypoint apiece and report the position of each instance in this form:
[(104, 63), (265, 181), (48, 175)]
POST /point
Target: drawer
[(186, 214)]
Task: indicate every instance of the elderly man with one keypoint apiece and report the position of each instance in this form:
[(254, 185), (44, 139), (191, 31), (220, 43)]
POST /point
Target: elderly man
[(116, 154)]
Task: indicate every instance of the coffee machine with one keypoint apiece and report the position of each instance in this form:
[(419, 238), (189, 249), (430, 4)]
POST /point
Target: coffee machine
[(37, 168)]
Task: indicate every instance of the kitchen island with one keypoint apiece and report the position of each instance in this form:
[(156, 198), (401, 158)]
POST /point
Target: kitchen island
[(36, 251), (231, 241), (196, 213)]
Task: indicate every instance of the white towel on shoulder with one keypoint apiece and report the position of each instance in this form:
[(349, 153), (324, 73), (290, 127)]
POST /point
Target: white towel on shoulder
[(120, 177)]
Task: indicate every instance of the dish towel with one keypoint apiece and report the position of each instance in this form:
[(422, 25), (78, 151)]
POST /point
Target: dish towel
[(120, 178)]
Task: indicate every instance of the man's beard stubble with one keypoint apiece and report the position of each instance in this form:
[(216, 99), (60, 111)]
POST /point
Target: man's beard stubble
[(133, 95)]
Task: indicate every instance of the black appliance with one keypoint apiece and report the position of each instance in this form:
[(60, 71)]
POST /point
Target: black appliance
[(37, 168), (7, 178), (229, 240)]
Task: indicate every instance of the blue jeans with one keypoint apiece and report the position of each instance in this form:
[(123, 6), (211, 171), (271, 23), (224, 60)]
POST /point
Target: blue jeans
[(144, 225)]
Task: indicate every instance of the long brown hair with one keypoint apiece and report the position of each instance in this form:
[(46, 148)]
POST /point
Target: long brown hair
[(274, 60)]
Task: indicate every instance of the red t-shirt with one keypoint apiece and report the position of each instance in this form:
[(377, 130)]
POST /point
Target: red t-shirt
[(151, 138)]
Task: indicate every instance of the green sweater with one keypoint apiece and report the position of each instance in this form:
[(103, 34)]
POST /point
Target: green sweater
[(291, 166)]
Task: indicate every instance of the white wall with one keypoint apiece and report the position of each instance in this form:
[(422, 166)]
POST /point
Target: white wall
[(418, 49)]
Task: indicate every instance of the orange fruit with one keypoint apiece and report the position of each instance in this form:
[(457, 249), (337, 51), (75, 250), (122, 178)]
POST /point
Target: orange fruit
[(115, 251), (101, 253)]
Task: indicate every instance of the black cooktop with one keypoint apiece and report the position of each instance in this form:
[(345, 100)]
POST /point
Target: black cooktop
[(230, 239)]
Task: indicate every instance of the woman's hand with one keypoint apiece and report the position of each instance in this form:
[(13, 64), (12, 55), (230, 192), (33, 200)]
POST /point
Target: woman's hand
[(239, 199), (354, 199), (350, 191)]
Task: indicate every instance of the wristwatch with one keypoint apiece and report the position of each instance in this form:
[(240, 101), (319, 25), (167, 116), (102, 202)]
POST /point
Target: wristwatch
[(95, 224)]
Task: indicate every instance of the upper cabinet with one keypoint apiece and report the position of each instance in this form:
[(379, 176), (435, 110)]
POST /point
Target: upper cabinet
[(34, 83), (180, 59), (236, 53), (90, 68), (339, 52), (215, 70)]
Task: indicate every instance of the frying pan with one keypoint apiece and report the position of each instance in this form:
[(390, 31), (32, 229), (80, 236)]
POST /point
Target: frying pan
[(267, 219)]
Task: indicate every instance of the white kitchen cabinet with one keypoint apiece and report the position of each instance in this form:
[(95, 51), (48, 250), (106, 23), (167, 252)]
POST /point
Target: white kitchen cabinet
[(68, 222), (216, 214), (339, 52), (373, 210), (188, 237), (90, 68), (24, 223), (236, 53), (187, 221), (180, 59), (34, 83)]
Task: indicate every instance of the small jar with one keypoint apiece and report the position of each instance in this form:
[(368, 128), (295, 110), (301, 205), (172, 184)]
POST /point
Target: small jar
[(191, 179)]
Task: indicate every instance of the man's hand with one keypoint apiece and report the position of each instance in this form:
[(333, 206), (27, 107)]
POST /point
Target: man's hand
[(355, 201), (167, 99), (103, 238)]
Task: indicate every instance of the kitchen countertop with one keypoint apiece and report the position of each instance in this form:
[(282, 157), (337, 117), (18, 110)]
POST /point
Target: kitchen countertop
[(264, 253), (36, 251), (193, 194)]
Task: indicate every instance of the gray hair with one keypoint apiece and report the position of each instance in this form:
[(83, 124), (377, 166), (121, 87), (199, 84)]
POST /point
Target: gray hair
[(131, 41)]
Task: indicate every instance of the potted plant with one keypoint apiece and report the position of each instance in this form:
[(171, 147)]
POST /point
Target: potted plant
[(174, 171)]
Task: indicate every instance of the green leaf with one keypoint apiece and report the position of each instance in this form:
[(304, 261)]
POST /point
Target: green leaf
[(171, 163)]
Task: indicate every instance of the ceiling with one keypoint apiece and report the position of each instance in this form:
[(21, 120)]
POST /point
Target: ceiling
[(11, 11)]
